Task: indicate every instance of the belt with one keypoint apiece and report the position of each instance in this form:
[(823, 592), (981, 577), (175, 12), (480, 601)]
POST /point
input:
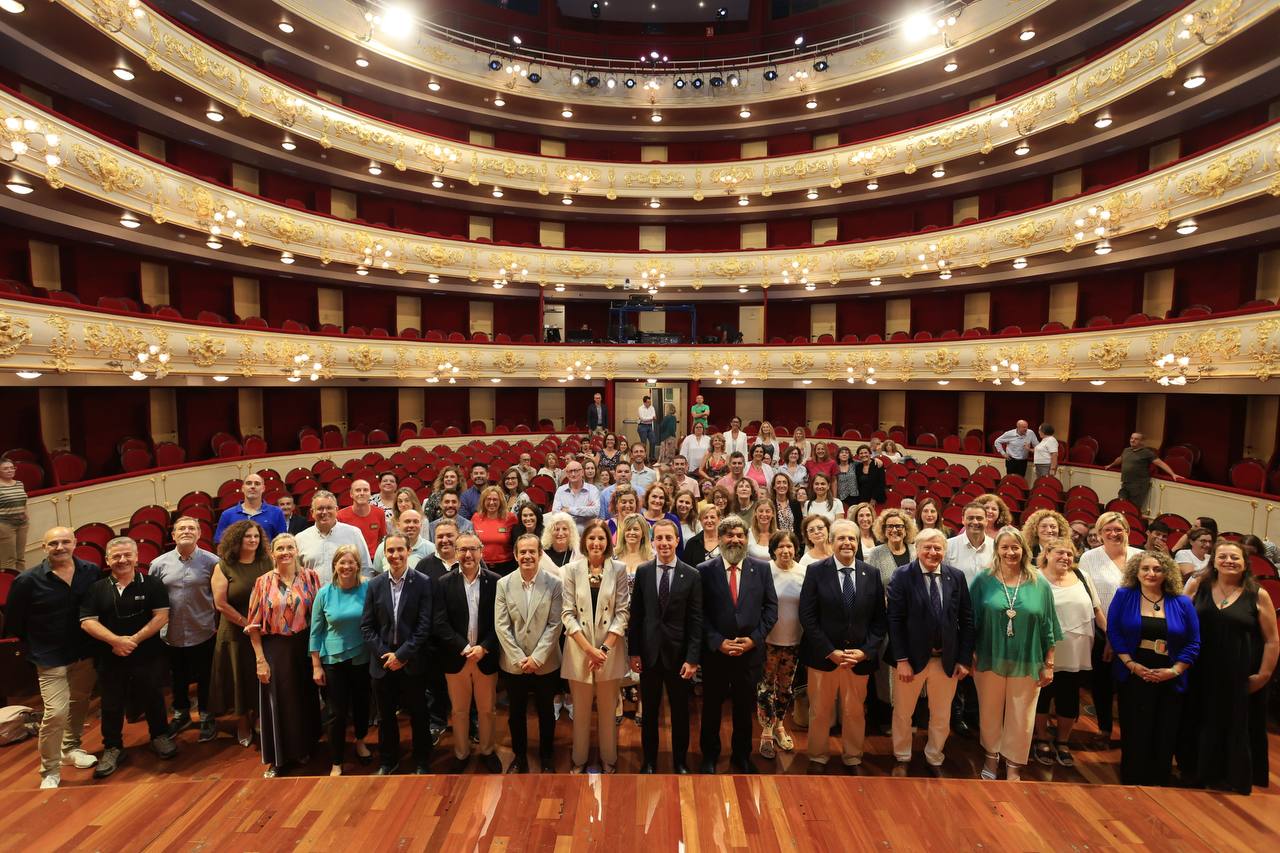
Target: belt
[(1157, 646), (936, 654)]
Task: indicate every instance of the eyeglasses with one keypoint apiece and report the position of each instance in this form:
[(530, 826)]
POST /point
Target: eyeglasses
[(468, 548), (895, 527)]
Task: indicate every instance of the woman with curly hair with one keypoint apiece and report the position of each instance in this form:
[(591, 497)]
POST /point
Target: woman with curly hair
[(998, 514), (624, 501), (896, 529), (715, 464), (244, 557), (1042, 526), (449, 479)]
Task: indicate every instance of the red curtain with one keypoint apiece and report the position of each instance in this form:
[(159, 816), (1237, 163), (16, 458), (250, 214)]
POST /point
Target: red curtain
[(288, 299), (91, 272), (369, 308), (602, 235), (516, 317), (1001, 410), (723, 402), (510, 140), (103, 417), (790, 143), (1109, 418), (107, 125), (871, 223), (199, 162), (1220, 436), (1116, 167), (22, 426), (785, 408), (704, 237), (934, 213), (283, 188), (514, 406), (607, 149), (860, 316), (789, 232), (1014, 197), (855, 408), (194, 289), (450, 406), (1222, 281), (1112, 294), (938, 311), (876, 126), (1209, 134), (448, 313), (431, 124), (15, 256), (203, 412), (515, 229), (591, 315), (576, 401), (700, 152), (1024, 306), (373, 408), (787, 320), (285, 411), (719, 313), (432, 218), (937, 412), (1026, 81), (379, 211)]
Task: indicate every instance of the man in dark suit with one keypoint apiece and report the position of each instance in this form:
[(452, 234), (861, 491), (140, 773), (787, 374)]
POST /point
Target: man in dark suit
[(842, 613), (397, 626), (597, 414), (931, 640), (467, 647), (664, 638), (739, 607), (298, 522)]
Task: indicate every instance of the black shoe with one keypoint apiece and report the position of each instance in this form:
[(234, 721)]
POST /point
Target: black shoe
[(901, 769), (935, 770), (548, 763), (817, 768), (519, 765), (960, 727), (422, 770), (648, 769), (180, 721), (386, 770), (436, 734), (855, 770), (742, 766), (460, 765), (681, 770), (208, 730), (707, 767), (112, 758), (491, 762)]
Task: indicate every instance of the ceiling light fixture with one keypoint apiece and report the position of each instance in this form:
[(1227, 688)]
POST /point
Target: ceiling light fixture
[(734, 80), (945, 275), (811, 104), (288, 145), (362, 62), (1098, 382), (213, 243), (437, 182), (799, 40), (13, 7), (434, 85), (873, 185), (821, 65), (123, 73), (951, 66), (939, 171), (1023, 149), (743, 201), (1027, 35), (362, 270), (375, 169), (745, 112), (497, 192), (1102, 122), (566, 113), (611, 83), (286, 258), (875, 281), (220, 377), (1187, 227), (654, 203), (285, 27), (1102, 247), (656, 118), (19, 187), (812, 194), (1019, 263), (213, 115), (566, 199), (559, 287), (128, 220), (742, 288), (1194, 80)]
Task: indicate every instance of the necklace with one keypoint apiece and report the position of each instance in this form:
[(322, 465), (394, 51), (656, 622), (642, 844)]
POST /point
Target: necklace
[(1012, 601), (1155, 604), (1229, 597)]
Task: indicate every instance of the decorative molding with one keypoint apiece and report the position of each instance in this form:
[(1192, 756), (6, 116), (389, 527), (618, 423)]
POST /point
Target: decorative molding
[(1123, 71)]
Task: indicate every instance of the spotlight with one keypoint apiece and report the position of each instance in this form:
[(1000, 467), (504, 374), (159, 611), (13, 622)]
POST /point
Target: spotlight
[(595, 10), (1023, 149), (495, 64), (213, 243), (733, 79), (128, 220), (654, 203), (285, 27), (566, 113), (1187, 226), (1102, 122), (13, 7), (873, 185), (535, 78), (375, 169), (916, 26), (362, 62), (656, 118), (821, 65), (434, 85), (875, 281), (679, 84), (213, 115), (743, 201), (594, 80), (575, 79), (1102, 247), (499, 101), (1194, 80), (742, 288), (716, 80), (123, 73), (771, 73), (559, 287), (722, 12), (697, 83), (1027, 35), (939, 171), (744, 113), (516, 40), (799, 40), (286, 258), (437, 182), (497, 192), (1019, 263), (811, 195), (611, 83), (951, 66), (566, 199), (811, 104)]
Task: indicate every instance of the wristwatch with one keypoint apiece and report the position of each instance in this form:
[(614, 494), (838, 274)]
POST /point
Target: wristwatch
[(604, 647)]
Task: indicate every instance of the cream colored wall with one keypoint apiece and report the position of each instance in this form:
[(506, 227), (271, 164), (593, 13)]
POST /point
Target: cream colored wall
[(964, 208), (653, 153), (823, 230), (152, 146), (897, 316), (1157, 292), (333, 407), (164, 414), (46, 264), (1164, 152), (1261, 415), (1057, 411), (481, 317), (822, 320), (411, 406), (329, 305), (551, 148), (652, 321), (551, 234), (972, 411), (825, 140), (343, 204), (246, 296), (1062, 302), (1066, 184), (1269, 275), (751, 324), (153, 282), (754, 148), (244, 178), (982, 101), (551, 405), (482, 406), (31, 93), (748, 404), (1150, 418), (753, 235), (893, 409), (819, 409), (479, 227), (977, 310), (331, 97), (653, 238), (55, 422), (250, 409), (408, 312), (480, 137)]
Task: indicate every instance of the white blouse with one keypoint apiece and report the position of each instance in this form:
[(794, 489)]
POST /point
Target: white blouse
[(1098, 567), (786, 631), (820, 508)]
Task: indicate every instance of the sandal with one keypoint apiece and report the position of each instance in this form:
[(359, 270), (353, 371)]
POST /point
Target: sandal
[(1043, 752), (1064, 754), (785, 743), (990, 767), (766, 748)]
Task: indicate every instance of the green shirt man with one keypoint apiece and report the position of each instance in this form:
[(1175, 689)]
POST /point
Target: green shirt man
[(701, 411)]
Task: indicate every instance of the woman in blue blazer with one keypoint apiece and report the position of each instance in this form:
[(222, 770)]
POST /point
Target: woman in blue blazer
[(1155, 638)]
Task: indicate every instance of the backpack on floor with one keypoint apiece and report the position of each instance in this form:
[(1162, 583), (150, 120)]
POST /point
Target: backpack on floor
[(17, 723)]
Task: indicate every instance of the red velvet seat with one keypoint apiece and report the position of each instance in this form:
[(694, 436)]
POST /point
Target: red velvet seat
[(230, 449), (294, 326), (923, 335), (356, 332), (254, 323), (168, 312), (29, 474), (379, 436), (1247, 474), (1100, 320), (479, 337), (168, 453), (153, 514), (410, 334), (210, 317), (135, 460), (254, 445)]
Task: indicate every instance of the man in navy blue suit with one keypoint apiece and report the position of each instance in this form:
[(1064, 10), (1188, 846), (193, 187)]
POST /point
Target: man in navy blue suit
[(739, 607), (842, 613), (931, 639), (396, 625)]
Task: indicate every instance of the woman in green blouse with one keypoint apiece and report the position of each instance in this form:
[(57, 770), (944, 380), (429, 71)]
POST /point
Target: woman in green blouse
[(1016, 627), (339, 657)]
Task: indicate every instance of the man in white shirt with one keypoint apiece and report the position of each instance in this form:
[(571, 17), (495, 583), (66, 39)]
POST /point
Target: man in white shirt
[(642, 476), (646, 417), (580, 499), (420, 548), (317, 543), (1016, 446), (622, 477), (735, 440), (971, 551), (1046, 453)]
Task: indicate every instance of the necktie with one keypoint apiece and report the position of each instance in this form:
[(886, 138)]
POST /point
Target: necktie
[(733, 584), (847, 587), (664, 588), (935, 595)]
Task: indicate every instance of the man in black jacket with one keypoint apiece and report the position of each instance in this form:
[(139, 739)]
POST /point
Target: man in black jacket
[(597, 414), (396, 625), (739, 608), (931, 639), (467, 647), (842, 612), (664, 637)]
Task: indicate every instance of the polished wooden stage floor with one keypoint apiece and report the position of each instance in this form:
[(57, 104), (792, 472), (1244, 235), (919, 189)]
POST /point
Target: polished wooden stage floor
[(212, 797)]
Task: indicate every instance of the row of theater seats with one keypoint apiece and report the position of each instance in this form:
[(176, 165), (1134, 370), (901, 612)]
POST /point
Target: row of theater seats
[(123, 303)]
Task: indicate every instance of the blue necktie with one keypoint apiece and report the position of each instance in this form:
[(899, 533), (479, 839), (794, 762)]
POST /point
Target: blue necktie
[(935, 595), (847, 588)]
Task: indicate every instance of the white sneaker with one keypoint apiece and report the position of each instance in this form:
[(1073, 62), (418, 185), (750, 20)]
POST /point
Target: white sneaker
[(79, 759), (50, 781)]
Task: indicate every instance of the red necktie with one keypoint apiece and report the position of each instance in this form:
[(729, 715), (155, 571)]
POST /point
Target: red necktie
[(733, 584)]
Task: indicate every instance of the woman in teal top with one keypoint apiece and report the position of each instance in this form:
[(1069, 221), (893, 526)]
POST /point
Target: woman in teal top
[(1016, 627), (339, 657)]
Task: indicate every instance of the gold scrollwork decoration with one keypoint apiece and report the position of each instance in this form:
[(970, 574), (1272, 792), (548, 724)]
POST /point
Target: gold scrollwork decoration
[(205, 350), (942, 360), (364, 357), (286, 229), (15, 333), (62, 347), (653, 179), (1265, 355), (1026, 233), (1109, 353), (1219, 176), (652, 364), (107, 170), (798, 363), (509, 362), (732, 267), (578, 266)]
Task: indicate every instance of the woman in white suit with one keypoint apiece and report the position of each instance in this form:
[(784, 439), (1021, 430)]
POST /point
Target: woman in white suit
[(597, 602)]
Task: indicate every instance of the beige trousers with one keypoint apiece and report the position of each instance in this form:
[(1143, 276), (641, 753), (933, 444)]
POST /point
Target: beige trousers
[(463, 687), (606, 696), (13, 545), (905, 694), (824, 690), (1006, 714), (64, 690)]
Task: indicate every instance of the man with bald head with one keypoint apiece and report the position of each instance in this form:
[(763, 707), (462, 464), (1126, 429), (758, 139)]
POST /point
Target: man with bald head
[(364, 516), (43, 612), (420, 547), (270, 518), (1016, 446)]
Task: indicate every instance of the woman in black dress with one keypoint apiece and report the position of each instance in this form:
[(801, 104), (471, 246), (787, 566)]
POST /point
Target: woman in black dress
[(1224, 742), (870, 476)]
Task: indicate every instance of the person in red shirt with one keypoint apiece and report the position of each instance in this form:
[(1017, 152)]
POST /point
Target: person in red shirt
[(493, 525), (364, 516)]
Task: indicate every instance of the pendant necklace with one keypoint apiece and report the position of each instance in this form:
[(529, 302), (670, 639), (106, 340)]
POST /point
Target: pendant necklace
[(1155, 605), (1012, 601)]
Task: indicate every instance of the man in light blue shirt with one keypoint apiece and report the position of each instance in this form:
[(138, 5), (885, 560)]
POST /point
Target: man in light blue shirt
[(420, 548), (450, 508), (581, 500), (622, 476), (1016, 446), (317, 544), (642, 477)]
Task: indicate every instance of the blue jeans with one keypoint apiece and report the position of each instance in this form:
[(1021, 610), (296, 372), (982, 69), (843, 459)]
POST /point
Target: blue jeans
[(647, 437)]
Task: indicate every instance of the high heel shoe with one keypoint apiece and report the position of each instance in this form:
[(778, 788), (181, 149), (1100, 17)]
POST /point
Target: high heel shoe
[(990, 767)]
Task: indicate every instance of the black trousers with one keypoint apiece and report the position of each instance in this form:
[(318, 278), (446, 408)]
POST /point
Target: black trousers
[(437, 696), (347, 699), (1150, 715), (1016, 466), (188, 664), (138, 678), (408, 691), (733, 679), (964, 706), (653, 681), (1102, 687), (543, 688)]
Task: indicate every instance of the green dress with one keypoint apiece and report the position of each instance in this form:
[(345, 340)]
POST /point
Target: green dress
[(233, 680), (1035, 625), (701, 413)]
